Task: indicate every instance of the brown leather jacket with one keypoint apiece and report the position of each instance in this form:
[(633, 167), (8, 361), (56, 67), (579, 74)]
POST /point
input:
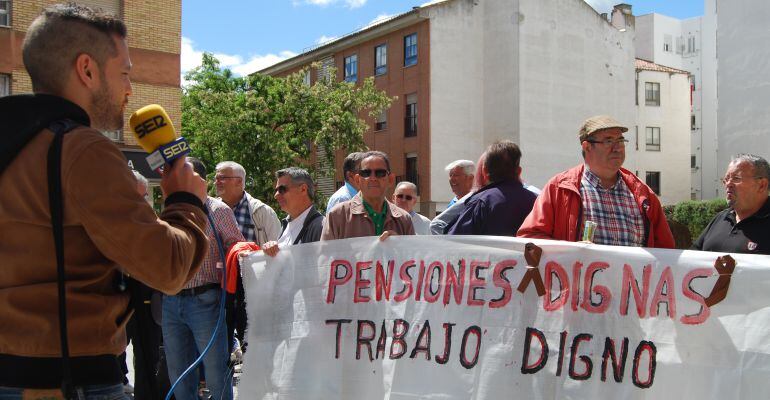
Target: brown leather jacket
[(349, 220), (106, 224)]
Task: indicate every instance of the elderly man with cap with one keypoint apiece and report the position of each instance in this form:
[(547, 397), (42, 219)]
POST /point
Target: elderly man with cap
[(625, 210)]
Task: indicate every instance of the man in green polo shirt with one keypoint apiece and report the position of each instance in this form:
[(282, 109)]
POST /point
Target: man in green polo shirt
[(368, 213)]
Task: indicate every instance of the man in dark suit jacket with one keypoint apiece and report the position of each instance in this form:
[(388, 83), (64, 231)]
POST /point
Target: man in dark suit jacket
[(294, 191)]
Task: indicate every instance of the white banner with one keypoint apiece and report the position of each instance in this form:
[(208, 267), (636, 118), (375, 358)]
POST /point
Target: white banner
[(460, 318)]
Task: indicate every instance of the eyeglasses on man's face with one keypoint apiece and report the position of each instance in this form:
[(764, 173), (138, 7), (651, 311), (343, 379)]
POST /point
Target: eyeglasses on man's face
[(406, 197), (621, 141), (282, 189), (379, 173), (737, 179), (221, 178)]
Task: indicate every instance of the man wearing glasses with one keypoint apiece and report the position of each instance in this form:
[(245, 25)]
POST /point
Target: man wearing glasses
[(744, 227), (405, 197), (294, 192), (625, 210), (368, 213)]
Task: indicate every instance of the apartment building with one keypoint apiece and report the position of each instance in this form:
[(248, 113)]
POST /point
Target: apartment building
[(469, 72), (154, 49), (659, 142)]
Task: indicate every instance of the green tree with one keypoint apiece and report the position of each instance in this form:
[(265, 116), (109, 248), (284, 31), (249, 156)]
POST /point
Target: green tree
[(266, 123)]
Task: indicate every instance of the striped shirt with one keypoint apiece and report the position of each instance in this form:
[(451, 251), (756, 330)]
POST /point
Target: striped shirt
[(243, 218), (225, 223), (615, 211)]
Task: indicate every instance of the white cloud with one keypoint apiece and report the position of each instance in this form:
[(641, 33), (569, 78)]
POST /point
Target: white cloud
[(191, 58), (355, 3), (380, 18), (602, 6), (325, 39), (323, 3)]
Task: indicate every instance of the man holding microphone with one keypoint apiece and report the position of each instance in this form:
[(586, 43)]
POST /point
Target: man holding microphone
[(79, 65)]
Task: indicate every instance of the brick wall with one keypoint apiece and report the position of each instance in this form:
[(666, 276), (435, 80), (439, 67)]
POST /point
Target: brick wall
[(154, 24)]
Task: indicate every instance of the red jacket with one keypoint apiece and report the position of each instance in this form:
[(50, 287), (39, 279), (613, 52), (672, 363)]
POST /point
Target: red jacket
[(559, 208)]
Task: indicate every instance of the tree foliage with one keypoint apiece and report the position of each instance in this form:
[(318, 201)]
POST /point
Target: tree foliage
[(266, 123), (696, 215)]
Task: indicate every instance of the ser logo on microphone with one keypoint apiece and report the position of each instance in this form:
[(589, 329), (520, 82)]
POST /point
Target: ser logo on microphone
[(149, 125), (178, 148)]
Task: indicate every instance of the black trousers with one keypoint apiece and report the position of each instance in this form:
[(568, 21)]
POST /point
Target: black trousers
[(235, 316)]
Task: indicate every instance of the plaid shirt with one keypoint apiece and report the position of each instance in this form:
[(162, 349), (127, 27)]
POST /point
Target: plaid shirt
[(243, 218), (223, 218), (619, 220)]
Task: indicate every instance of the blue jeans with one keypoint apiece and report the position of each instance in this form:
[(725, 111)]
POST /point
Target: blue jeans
[(92, 392), (188, 322)]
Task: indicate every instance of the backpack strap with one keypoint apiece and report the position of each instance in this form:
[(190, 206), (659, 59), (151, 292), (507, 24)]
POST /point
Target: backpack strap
[(55, 201)]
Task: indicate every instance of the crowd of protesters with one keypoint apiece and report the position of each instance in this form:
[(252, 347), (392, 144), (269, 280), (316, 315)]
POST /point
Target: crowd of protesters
[(78, 64)]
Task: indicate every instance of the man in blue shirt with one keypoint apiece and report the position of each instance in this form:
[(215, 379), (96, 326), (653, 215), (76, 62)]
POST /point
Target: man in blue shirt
[(349, 170), (500, 207)]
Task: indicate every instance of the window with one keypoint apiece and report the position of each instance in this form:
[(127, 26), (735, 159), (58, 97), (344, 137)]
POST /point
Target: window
[(5, 12), (351, 68), (653, 181), (679, 45), (692, 122), (325, 69), (410, 119), (652, 93), (693, 162), (115, 136), (381, 59), (306, 78), (410, 170), (667, 43), (653, 139), (410, 50), (5, 85), (691, 44), (382, 121)]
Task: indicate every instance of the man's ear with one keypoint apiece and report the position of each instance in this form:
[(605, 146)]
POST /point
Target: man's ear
[(87, 70)]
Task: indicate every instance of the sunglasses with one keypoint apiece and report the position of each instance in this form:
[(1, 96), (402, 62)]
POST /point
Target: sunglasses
[(379, 173), (282, 189), (406, 197)]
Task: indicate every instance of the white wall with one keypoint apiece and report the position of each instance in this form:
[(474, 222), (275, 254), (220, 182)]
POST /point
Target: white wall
[(673, 119), (743, 79), (710, 171), (574, 65), (457, 75), (644, 41), (530, 71)]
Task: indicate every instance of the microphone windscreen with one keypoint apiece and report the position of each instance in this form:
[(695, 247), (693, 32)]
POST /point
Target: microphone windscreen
[(152, 127)]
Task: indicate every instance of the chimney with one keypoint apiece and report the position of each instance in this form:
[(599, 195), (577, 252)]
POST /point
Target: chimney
[(622, 18)]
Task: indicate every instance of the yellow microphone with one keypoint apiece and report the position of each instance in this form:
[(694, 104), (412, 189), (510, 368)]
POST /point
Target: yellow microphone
[(153, 130)]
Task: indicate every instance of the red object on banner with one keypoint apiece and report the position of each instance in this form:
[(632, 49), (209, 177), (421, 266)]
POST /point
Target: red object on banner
[(232, 267)]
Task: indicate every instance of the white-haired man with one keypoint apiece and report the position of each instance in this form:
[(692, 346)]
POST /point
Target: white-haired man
[(460, 178), (405, 197), (257, 222)]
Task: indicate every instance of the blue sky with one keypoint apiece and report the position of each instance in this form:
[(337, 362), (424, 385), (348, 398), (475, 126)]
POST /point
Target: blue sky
[(248, 35)]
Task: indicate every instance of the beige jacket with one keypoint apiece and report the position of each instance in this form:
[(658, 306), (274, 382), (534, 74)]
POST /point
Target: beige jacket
[(350, 219), (106, 224)]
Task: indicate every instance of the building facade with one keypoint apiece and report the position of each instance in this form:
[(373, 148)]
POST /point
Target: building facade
[(689, 45), (154, 49), (658, 143), (525, 70), (742, 77)]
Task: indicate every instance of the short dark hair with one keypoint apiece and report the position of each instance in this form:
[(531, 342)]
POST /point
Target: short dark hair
[(351, 164), (375, 153), (198, 166), (502, 161), (61, 33), (298, 176)]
